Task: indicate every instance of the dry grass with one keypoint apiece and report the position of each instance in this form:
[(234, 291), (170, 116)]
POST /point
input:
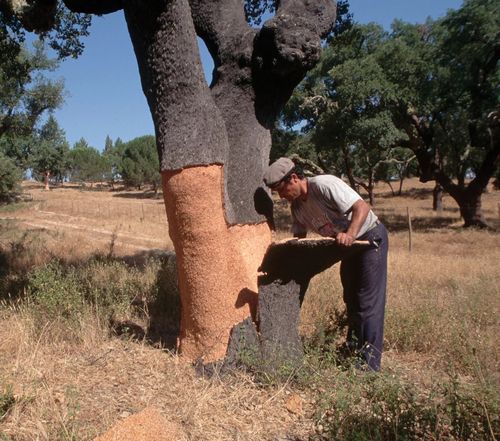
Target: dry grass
[(443, 301), (78, 391)]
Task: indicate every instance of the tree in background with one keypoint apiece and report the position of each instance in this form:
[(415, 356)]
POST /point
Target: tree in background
[(139, 163), (431, 88), (86, 163), (447, 73), (25, 95), (10, 177), (113, 154), (50, 153)]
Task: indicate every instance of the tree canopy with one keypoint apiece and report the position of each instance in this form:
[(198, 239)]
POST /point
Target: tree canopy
[(431, 88), (139, 164)]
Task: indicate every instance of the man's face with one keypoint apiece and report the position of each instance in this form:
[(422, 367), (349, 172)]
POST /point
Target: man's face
[(288, 188)]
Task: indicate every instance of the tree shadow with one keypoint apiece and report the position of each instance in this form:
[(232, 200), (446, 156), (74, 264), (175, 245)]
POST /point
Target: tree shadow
[(144, 195), (397, 222)]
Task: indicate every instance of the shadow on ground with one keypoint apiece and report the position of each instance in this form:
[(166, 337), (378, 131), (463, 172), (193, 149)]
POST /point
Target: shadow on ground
[(143, 195)]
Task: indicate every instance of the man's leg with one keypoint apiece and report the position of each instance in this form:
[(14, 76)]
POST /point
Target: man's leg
[(364, 279)]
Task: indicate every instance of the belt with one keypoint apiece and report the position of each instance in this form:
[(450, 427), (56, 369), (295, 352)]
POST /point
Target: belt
[(375, 224)]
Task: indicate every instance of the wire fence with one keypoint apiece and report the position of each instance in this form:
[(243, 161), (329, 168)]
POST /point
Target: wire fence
[(132, 211)]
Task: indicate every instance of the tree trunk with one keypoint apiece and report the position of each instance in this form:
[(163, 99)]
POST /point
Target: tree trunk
[(214, 144), (371, 195), (217, 263), (471, 210), (46, 177), (437, 198), (401, 179)]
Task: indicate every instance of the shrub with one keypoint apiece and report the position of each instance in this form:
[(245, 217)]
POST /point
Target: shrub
[(56, 293), (7, 400)]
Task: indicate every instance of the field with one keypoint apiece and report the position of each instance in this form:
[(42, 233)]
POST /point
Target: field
[(84, 274)]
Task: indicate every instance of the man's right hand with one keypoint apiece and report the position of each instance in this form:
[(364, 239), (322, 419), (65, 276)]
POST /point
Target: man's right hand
[(344, 239)]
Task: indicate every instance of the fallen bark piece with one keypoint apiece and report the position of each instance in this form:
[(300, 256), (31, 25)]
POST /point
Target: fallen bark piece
[(147, 425)]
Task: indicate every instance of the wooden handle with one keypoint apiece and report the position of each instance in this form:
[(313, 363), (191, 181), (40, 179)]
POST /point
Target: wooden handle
[(362, 243)]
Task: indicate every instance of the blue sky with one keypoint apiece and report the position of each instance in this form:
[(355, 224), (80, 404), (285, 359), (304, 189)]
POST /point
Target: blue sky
[(104, 95)]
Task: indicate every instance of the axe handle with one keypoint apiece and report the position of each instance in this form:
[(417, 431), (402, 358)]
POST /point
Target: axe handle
[(360, 243)]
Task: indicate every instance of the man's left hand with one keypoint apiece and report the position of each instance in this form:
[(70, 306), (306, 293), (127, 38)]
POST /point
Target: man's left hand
[(344, 239)]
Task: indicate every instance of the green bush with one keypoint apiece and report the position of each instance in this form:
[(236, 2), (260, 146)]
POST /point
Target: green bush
[(107, 287), (56, 293), (386, 407)]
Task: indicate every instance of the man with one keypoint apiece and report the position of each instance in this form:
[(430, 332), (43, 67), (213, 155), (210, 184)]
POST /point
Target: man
[(328, 206)]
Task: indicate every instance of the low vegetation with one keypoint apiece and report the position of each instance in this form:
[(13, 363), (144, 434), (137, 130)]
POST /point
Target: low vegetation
[(87, 338)]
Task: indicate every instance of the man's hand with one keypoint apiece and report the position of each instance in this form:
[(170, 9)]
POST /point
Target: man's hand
[(344, 239)]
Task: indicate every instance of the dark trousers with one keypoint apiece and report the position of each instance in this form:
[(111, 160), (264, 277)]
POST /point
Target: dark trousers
[(364, 279)]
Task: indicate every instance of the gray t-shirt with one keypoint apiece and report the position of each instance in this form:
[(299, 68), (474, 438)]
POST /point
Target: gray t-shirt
[(327, 209)]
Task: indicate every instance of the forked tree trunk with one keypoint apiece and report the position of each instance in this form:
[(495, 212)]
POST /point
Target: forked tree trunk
[(214, 144)]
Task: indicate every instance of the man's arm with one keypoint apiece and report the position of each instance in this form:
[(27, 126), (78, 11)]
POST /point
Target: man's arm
[(360, 211)]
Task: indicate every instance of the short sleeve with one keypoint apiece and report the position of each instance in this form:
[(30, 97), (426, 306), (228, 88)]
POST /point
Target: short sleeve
[(338, 192)]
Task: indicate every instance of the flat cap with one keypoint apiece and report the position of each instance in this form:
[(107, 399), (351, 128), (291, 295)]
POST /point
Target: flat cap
[(278, 170)]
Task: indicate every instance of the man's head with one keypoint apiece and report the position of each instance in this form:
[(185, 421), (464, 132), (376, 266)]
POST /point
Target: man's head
[(287, 179)]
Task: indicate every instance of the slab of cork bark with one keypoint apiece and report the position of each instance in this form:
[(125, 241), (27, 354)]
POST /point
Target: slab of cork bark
[(147, 425)]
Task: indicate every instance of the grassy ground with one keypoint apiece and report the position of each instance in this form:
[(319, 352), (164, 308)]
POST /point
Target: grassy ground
[(80, 280)]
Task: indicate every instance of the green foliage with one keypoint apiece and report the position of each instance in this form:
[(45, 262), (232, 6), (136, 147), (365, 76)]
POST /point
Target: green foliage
[(10, 178), (50, 156), (112, 155), (56, 293), (427, 87), (25, 93), (61, 28), (140, 163), (61, 292), (86, 163), (357, 406)]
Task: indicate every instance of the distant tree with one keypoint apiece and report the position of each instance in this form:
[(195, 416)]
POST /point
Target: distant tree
[(399, 166), (10, 178), (50, 153), (448, 100), (112, 154), (86, 163), (140, 165), (432, 87)]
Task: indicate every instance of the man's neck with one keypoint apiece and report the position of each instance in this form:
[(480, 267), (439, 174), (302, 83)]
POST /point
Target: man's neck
[(304, 186)]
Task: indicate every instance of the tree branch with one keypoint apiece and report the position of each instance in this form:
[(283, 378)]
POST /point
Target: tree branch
[(221, 24), (94, 6), (287, 46)]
